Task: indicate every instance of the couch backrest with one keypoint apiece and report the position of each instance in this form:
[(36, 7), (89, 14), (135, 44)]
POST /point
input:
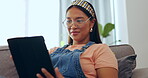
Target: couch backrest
[(8, 70), (7, 67), (122, 50)]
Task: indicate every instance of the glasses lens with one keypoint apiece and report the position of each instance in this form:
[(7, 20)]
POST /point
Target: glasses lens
[(79, 22), (67, 23)]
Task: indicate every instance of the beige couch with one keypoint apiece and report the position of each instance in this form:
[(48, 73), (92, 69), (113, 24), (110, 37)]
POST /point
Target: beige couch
[(124, 53)]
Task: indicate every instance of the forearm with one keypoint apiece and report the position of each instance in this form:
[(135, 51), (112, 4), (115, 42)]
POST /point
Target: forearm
[(107, 73)]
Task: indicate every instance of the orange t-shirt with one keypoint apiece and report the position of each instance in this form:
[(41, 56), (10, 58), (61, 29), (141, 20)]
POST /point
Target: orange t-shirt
[(96, 56)]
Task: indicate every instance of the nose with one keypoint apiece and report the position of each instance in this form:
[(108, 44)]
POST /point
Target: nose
[(74, 25)]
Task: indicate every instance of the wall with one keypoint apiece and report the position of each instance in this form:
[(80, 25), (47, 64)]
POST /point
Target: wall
[(137, 22)]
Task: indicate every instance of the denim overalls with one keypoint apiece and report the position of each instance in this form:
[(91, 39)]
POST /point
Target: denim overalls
[(68, 61)]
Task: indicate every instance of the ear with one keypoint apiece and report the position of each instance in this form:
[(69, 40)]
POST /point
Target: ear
[(92, 23)]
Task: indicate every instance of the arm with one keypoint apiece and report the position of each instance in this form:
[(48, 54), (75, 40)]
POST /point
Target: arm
[(106, 63), (107, 72)]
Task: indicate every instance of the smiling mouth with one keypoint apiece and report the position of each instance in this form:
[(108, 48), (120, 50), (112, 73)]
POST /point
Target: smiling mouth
[(74, 33)]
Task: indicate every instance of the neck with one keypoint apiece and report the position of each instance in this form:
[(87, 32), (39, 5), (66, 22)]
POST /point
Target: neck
[(77, 42)]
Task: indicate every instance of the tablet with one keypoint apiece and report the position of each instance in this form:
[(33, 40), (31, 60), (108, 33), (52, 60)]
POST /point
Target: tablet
[(30, 54)]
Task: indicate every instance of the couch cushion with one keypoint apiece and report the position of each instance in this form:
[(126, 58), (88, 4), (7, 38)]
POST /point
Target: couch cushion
[(122, 50), (126, 65), (7, 67), (126, 59)]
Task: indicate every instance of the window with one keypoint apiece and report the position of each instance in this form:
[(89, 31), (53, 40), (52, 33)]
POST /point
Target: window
[(11, 19), (121, 21), (30, 18)]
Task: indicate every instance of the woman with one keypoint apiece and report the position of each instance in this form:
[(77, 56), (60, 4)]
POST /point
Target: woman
[(84, 56)]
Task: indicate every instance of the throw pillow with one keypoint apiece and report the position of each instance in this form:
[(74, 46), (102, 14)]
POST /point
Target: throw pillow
[(126, 65)]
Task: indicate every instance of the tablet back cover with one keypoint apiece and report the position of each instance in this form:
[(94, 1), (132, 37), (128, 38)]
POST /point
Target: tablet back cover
[(30, 55)]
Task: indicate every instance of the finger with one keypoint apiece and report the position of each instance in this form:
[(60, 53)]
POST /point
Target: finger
[(46, 73), (58, 74), (11, 57), (38, 75)]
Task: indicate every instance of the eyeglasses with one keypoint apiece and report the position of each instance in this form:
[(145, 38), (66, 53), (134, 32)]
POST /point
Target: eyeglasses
[(78, 22)]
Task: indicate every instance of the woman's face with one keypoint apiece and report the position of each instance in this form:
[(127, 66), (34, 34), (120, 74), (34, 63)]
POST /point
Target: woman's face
[(77, 30)]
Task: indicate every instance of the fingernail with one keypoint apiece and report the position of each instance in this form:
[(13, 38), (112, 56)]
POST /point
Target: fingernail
[(42, 68), (56, 68), (37, 74)]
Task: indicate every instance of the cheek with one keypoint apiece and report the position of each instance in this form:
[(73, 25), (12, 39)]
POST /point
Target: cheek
[(84, 32), (85, 28)]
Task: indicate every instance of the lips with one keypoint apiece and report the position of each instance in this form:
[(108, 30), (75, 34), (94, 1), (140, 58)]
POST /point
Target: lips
[(74, 33)]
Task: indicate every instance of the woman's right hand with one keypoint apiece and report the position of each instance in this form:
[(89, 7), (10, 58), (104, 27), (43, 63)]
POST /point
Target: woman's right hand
[(48, 75)]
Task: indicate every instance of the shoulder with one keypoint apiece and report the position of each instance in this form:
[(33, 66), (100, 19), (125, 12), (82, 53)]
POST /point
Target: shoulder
[(100, 46), (104, 57), (52, 50), (99, 49)]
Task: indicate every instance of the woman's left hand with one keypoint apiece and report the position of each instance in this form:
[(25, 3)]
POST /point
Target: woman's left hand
[(48, 75)]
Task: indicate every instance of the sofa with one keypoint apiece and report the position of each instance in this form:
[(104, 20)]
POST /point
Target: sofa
[(124, 53)]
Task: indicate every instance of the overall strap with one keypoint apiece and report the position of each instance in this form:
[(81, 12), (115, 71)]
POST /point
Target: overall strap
[(87, 45), (65, 46), (84, 47)]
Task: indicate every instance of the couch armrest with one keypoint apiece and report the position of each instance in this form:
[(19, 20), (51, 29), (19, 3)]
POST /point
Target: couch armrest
[(140, 73), (7, 67)]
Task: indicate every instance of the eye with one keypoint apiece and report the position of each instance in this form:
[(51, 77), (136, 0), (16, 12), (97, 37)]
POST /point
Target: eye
[(79, 21), (68, 21)]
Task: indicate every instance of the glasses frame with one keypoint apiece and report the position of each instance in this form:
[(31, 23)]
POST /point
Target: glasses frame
[(73, 22)]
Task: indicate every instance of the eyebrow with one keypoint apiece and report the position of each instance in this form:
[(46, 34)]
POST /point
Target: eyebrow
[(75, 18)]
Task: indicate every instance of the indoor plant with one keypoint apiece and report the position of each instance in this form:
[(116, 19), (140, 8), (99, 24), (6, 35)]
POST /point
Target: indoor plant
[(105, 31)]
